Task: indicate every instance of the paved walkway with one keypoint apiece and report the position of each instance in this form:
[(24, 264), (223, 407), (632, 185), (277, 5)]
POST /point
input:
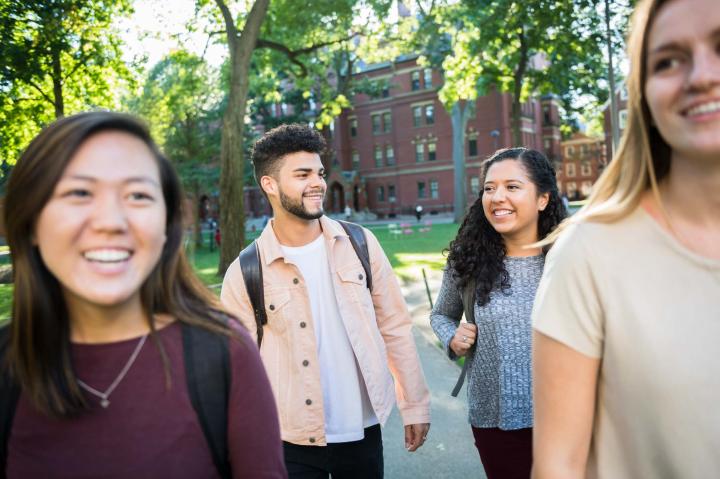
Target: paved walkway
[(449, 451)]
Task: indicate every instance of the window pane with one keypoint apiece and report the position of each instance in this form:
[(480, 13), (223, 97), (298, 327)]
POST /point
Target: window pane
[(427, 77), (415, 80), (434, 193), (355, 160), (381, 193), (431, 151), (353, 128), (417, 116), (475, 185), (376, 123), (421, 189), (390, 155), (387, 122), (429, 114), (378, 157), (472, 147), (391, 193), (419, 153)]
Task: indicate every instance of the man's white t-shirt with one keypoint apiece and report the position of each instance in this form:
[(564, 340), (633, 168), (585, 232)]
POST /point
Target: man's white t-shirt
[(342, 383)]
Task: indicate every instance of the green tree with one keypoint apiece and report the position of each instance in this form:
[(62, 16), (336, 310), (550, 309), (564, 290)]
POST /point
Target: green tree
[(523, 47), (55, 56), (181, 100)]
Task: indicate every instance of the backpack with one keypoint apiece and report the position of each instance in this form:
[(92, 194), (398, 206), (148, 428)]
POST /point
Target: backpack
[(251, 268), (468, 300), (207, 367)]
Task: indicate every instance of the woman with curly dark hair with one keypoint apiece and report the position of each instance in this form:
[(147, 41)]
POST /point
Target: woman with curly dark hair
[(491, 275)]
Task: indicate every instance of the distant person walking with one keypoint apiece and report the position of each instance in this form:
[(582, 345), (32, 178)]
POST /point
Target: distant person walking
[(627, 316), (492, 275), (418, 212)]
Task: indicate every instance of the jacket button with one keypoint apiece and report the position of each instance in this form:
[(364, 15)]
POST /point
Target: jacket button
[(312, 440), (308, 402), (296, 281), (306, 362), (360, 277), (272, 307), (302, 324)]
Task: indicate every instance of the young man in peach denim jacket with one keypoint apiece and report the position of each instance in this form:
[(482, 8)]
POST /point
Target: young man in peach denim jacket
[(330, 346)]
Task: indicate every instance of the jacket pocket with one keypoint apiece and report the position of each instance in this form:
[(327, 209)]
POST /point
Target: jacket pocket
[(276, 308)]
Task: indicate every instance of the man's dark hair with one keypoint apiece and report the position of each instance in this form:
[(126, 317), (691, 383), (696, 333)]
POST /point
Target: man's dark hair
[(281, 141)]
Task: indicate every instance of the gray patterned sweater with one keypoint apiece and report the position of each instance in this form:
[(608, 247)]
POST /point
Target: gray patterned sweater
[(499, 380)]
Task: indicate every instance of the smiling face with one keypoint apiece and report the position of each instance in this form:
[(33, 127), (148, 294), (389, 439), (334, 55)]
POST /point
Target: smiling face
[(102, 231), (299, 187), (682, 87), (511, 202)]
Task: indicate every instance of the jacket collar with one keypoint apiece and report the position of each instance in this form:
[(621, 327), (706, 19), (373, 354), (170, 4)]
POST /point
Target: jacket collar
[(270, 245)]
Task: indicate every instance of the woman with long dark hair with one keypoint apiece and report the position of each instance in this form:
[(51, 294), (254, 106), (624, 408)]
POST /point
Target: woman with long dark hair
[(117, 361), (492, 273), (627, 315)]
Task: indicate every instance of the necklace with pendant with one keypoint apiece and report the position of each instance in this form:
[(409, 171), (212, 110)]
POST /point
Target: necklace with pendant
[(104, 396)]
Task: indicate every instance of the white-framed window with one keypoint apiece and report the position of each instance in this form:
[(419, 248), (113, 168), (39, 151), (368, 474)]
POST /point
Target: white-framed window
[(585, 169), (432, 151), (387, 122), (427, 77), (624, 93), (475, 185), (378, 157), (376, 124), (380, 193), (415, 80), (472, 147), (586, 188), (622, 119), (355, 160), (417, 115), (421, 189), (434, 189), (419, 153), (389, 155), (353, 127), (571, 189), (570, 170), (429, 114), (570, 151)]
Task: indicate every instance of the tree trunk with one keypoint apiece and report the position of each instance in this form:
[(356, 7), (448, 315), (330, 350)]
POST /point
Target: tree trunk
[(58, 102), (459, 115), (232, 157), (519, 76)]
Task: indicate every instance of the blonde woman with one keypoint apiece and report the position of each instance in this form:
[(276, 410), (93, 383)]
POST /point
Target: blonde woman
[(627, 315)]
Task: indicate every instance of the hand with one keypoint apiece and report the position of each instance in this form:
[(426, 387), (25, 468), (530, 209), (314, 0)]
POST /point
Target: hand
[(464, 339), (415, 435)]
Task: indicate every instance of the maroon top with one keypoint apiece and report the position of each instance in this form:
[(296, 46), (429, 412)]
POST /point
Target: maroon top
[(149, 430)]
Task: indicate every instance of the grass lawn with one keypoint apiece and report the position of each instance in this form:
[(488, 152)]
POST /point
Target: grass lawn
[(408, 254)]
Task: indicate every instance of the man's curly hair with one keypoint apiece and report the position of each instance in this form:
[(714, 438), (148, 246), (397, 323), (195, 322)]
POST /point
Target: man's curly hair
[(478, 251), (280, 141)]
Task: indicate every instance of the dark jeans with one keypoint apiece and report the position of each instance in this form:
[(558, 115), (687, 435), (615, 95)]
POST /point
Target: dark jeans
[(344, 460), (505, 454)]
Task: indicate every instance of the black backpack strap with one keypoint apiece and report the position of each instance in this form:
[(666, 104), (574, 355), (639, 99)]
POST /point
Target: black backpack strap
[(9, 395), (251, 268), (468, 298), (207, 368), (359, 244)]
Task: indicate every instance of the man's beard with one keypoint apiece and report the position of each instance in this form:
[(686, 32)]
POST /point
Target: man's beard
[(298, 209)]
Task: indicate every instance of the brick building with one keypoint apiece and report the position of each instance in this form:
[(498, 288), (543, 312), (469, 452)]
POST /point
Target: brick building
[(583, 159), (621, 97), (394, 151)]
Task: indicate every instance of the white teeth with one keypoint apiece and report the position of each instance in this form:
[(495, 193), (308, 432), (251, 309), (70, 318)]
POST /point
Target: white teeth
[(710, 107), (502, 212), (107, 255)]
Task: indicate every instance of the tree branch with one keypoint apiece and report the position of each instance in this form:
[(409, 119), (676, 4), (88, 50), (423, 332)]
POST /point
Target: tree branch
[(293, 55)]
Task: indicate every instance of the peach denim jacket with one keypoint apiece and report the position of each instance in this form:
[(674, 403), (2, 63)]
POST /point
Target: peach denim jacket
[(378, 326)]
